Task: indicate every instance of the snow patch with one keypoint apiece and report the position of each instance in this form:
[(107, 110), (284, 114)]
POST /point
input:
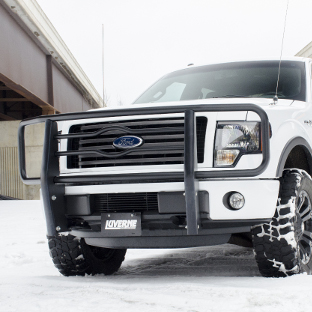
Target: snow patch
[(216, 278), (281, 267)]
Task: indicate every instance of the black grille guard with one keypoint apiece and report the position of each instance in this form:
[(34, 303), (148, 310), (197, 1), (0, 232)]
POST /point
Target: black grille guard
[(52, 185)]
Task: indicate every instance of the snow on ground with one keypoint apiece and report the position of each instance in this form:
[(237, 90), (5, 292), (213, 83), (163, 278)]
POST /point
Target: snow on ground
[(221, 278)]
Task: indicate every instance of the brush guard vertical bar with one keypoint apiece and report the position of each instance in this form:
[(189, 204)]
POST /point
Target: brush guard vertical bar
[(52, 194), (191, 191)]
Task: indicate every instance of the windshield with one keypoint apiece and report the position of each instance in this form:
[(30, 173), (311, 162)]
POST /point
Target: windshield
[(243, 79)]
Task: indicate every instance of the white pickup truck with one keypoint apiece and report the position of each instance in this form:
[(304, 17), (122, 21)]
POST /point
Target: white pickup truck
[(207, 155)]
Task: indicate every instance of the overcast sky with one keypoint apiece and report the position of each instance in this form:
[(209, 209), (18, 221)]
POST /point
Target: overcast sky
[(145, 39)]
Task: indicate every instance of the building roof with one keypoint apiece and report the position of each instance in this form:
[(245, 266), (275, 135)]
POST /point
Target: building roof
[(31, 14), (306, 51)]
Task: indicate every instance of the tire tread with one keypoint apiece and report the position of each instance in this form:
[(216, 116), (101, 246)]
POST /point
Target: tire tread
[(276, 256), (73, 257)]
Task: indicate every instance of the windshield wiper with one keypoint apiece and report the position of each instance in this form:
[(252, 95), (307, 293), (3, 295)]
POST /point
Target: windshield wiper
[(230, 96), (271, 93)]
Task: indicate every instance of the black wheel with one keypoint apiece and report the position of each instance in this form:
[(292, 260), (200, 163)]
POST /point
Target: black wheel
[(284, 246), (72, 256)]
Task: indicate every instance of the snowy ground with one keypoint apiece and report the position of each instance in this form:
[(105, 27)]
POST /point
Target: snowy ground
[(223, 278)]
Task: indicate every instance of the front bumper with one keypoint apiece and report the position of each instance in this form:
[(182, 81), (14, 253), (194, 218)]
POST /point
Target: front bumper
[(166, 226), (260, 197)]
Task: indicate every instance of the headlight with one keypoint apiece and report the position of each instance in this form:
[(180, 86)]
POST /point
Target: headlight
[(235, 139)]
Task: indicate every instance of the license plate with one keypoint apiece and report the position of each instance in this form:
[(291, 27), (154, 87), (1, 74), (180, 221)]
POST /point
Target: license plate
[(121, 224)]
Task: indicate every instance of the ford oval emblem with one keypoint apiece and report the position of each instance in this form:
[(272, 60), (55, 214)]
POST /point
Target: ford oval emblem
[(128, 141)]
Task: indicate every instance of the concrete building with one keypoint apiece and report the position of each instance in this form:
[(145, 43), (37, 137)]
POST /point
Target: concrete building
[(306, 51), (38, 76)]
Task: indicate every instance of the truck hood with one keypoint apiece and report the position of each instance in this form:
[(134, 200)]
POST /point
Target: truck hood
[(263, 102)]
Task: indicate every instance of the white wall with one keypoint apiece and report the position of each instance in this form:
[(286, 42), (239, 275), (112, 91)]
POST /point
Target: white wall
[(10, 182)]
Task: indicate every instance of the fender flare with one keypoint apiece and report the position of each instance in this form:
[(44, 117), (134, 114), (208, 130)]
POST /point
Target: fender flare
[(288, 148)]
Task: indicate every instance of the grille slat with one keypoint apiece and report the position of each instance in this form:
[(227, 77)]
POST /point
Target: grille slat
[(109, 131), (139, 152), (144, 137), (138, 123), (128, 161), (146, 145), (163, 143)]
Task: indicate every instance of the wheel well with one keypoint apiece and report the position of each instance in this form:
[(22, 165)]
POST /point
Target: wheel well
[(300, 158)]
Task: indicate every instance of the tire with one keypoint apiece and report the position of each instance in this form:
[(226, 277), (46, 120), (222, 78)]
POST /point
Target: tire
[(72, 256), (283, 247)]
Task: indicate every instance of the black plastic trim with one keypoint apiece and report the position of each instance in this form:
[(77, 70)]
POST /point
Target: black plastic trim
[(157, 241), (287, 149), (166, 238)]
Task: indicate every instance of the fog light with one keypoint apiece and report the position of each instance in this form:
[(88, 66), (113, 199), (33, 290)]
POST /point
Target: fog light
[(236, 201)]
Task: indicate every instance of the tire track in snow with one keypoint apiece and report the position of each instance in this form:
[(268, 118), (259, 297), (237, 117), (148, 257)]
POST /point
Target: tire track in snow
[(224, 260)]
